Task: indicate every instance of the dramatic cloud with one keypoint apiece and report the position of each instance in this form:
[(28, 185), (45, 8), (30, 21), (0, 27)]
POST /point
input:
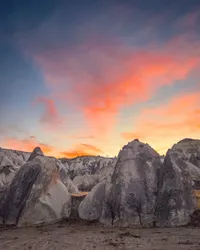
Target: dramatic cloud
[(28, 145), (50, 117), (115, 62), (163, 125), (82, 150), (101, 79)]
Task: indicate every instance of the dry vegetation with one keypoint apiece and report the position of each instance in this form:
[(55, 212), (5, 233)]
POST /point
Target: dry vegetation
[(85, 236)]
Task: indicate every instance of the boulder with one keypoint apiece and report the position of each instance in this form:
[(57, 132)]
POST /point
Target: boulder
[(92, 206), (176, 200), (35, 195)]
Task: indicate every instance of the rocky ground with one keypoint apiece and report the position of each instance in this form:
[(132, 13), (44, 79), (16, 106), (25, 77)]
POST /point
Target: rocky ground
[(82, 236)]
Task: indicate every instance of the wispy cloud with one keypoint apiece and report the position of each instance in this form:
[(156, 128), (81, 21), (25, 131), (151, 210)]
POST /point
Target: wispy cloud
[(101, 71), (50, 117), (102, 78)]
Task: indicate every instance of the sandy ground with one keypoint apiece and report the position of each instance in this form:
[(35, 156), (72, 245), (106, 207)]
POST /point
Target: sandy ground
[(82, 236)]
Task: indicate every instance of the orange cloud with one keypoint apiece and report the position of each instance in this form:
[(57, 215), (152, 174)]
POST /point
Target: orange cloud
[(82, 150), (50, 116), (101, 79), (27, 145), (164, 125)]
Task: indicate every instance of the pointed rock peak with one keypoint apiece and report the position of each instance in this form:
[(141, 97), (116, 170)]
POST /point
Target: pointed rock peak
[(36, 152), (136, 148)]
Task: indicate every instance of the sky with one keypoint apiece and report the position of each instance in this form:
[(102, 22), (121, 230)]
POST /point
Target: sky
[(86, 77)]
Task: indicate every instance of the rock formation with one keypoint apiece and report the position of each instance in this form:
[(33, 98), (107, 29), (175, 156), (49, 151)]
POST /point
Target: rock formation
[(129, 198), (91, 207), (138, 188), (35, 195), (36, 152), (176, 200), (190, 150), (86, 165), (7, 170), (64, 177)]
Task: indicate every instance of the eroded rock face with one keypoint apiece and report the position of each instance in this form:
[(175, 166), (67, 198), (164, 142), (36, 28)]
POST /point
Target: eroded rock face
[(129, 197), (190, 150), (91, 207), (64, 177), (7, 170), (18, 158), (138, 188), (35, 195), (176, 200), (134, 185)]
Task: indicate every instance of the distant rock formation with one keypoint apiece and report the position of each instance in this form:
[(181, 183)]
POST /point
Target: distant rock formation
[(36, 152), (86, 165)]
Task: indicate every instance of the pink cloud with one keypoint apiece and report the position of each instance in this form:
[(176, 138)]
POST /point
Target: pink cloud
[(100, 76), (50, 117), (101, 79)]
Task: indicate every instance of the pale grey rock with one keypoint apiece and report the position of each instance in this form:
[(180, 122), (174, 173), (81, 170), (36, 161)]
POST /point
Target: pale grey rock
[(190, 150), (86, 165), (133, 184), (176, 200), (64, 177), (36, 195), (7, 170), (92, 206), (18, 158)]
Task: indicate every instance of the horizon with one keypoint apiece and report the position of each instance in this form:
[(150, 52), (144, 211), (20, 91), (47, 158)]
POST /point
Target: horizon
[(103, 156), (85, 78)]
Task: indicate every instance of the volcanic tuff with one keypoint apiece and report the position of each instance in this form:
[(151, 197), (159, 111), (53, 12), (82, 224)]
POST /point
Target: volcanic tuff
[(137, 188)]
